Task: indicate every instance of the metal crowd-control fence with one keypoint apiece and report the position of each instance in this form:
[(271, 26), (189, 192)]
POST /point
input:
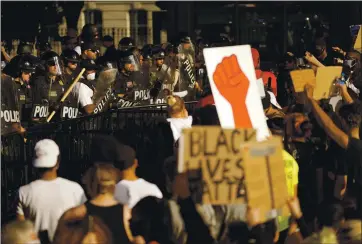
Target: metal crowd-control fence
[(144, 128)]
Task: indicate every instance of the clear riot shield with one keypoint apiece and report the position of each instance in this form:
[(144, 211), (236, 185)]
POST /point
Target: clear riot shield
[(186, 64), (135, 62), (105, 81)]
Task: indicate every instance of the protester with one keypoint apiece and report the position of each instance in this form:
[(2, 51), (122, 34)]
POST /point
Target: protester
[(179, 118), (103, 204), (46, 199), (131, 189), (131, 176), (89, 229), (19, 232)]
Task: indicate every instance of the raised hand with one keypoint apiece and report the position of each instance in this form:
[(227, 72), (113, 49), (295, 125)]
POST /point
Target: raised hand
[(233, 85)]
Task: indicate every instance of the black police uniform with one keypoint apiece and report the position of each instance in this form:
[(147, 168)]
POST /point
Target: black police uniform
[(47, 92), (25, 98), (9, 105)]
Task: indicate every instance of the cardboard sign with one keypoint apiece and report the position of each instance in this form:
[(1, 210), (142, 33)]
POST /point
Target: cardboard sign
[(302, 77), (325, 80), (356, 32), (265, 178), (232, 79), (212, 158)]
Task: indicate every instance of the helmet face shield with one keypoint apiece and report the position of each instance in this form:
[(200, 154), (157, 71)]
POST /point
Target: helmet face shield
[(135, 62), (54, 62)]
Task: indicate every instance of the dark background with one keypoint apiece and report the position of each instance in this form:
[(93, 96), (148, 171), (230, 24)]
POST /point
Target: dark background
[(251, 22)]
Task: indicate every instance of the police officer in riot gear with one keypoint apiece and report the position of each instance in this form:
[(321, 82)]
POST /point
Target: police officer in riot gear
[(90, 50), (186, 64), (10, 115), (47, 88), (123, 86), (71, 60), (84, 90), (26, 69), (24, 48), (125, 44)]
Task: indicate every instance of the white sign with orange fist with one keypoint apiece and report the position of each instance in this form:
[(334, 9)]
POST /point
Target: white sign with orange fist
[(233, 82)]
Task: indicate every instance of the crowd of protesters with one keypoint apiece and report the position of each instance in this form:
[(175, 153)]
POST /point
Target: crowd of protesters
[(322, 152)]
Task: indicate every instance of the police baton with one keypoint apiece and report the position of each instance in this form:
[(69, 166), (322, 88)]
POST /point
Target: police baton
[(67, 93)]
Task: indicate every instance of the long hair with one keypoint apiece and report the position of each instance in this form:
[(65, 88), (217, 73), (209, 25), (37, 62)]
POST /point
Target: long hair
[(175, 105)]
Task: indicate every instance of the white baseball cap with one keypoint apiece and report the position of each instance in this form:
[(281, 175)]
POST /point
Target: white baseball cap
[(46, 154)]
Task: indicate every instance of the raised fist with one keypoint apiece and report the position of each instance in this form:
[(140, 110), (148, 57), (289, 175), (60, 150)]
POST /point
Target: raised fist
[(233, 85)]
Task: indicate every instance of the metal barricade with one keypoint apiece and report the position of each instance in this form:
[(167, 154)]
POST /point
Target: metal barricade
[(145, 128)]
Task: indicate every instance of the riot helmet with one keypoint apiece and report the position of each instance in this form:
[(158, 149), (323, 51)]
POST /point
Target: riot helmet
[(51, 61), (26, 67), (126, 43), (106, 64), (69, 55), (158, 54), (25, 48), (90, 50)]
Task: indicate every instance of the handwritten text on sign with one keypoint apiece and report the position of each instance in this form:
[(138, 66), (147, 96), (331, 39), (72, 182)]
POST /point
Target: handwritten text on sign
[(212, 158)]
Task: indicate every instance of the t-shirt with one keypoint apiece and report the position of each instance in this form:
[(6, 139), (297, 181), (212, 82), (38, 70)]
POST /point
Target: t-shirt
[(291, 172), (131, 192), (44, 202), (83, 94), (177, 124)]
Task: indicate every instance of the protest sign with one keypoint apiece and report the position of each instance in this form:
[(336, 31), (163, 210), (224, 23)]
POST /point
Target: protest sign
[(302, 77), (261, 88), (325, 79), (265, 179), (233, 83), (356, 32), (212, 158)]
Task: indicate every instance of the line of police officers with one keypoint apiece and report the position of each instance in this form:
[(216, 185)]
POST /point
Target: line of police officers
[(32, 87)]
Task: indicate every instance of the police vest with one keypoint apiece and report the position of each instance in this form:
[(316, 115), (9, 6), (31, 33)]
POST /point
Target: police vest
[(25, 100)]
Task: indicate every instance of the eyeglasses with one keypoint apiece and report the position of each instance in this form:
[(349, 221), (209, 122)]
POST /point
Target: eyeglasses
[(73, 62)]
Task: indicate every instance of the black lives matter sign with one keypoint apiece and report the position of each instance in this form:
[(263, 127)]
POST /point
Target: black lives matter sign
[(212, 158)]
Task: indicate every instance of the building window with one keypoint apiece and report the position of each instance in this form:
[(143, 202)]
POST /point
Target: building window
[(139, 31)]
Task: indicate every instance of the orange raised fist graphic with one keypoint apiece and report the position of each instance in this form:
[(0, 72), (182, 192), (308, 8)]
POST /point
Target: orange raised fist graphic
[(233, 85)]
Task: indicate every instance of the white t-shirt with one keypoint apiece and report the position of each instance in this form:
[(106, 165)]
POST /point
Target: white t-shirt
[(131, 192), (177, 124), (83, 94), (44, 202)]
